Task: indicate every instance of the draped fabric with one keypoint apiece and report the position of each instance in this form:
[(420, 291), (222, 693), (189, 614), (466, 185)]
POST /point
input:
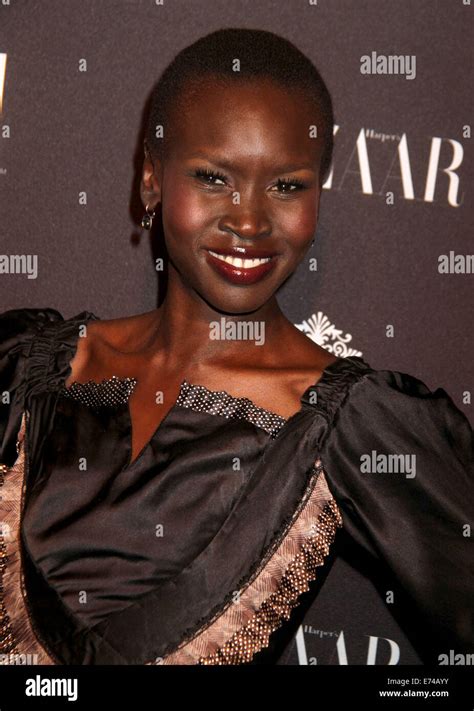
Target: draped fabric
[(201, 550)]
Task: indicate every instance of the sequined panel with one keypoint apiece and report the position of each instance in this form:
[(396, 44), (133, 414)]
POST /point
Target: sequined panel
[(18, 641), (219, 402), (7, 640), (277, 608), (243, 627), (114, 391), (108, 393)]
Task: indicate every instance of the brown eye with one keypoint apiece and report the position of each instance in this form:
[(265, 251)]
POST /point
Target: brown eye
[(291, 182), (209, 176)]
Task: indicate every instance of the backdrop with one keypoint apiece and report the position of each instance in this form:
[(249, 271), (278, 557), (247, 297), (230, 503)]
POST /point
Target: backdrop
[(393, 279)]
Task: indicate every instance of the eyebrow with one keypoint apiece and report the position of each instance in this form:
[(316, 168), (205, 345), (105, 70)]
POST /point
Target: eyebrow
[(286, 168)]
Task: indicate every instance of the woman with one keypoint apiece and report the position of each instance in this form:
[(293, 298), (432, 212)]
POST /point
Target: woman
[(176, 481)]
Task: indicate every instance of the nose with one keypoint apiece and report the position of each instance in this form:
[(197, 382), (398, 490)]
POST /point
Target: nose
[(248, 218)]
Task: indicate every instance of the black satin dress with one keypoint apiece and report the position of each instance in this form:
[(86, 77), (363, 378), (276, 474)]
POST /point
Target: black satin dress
[(235, 532)]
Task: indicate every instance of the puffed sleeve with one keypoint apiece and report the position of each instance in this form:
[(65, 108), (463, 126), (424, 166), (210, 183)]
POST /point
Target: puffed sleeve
[(18, 330), (413, 513)]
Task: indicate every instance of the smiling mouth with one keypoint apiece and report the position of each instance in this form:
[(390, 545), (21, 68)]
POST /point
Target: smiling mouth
[(238, 262), (239, 267)]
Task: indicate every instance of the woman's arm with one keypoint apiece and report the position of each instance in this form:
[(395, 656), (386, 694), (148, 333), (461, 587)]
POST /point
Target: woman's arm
[(400, 463), (18, 330)]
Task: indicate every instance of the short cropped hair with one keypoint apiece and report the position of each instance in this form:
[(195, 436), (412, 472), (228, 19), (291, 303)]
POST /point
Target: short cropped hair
[(262, 54)]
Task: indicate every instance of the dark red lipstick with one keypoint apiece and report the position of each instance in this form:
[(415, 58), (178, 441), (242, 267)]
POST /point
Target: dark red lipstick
[(241, 270)]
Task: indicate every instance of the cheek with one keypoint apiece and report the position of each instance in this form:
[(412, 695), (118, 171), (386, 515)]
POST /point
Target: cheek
[(299, 223), (185, 212), (188, 212)]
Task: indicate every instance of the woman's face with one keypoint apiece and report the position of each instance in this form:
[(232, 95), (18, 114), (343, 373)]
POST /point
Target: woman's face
[(241, 182)]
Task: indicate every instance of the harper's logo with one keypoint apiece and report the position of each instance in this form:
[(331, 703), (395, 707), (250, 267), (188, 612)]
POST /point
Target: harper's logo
[(373, 648), (3, 68), (379, 136), (445, 157), (323, 332), (44, 686)]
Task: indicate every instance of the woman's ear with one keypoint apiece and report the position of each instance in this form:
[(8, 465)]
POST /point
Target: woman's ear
[(150, 184)]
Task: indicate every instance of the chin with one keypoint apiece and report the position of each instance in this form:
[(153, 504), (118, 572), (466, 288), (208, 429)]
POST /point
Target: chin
[(234, 307)]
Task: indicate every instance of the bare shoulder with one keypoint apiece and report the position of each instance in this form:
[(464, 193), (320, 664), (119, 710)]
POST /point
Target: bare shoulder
[(278, 381), (105, 340), (303, 354), (122, 331), (303, 365)]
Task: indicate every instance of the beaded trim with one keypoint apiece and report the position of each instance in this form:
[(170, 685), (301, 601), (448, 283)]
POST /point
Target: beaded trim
[(219, 402), (244, 627), (108, 393), (7, 640), (115, 391), (235, 634), (16, 632)]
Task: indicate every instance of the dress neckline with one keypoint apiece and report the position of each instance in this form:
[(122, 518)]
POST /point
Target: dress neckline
[(269, 502), (305, 399), (115, 392)]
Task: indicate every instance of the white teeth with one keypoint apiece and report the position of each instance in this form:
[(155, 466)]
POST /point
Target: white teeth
[(238, 262)]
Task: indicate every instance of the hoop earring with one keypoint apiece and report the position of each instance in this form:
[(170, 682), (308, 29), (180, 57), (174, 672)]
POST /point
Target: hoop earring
[(147, 219)]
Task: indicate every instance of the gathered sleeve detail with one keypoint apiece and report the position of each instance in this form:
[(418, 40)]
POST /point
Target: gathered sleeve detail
[(52, 351), (36, 347), (399, 460)]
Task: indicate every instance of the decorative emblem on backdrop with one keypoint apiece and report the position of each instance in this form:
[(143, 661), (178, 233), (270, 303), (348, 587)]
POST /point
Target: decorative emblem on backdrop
[(320, 329)]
